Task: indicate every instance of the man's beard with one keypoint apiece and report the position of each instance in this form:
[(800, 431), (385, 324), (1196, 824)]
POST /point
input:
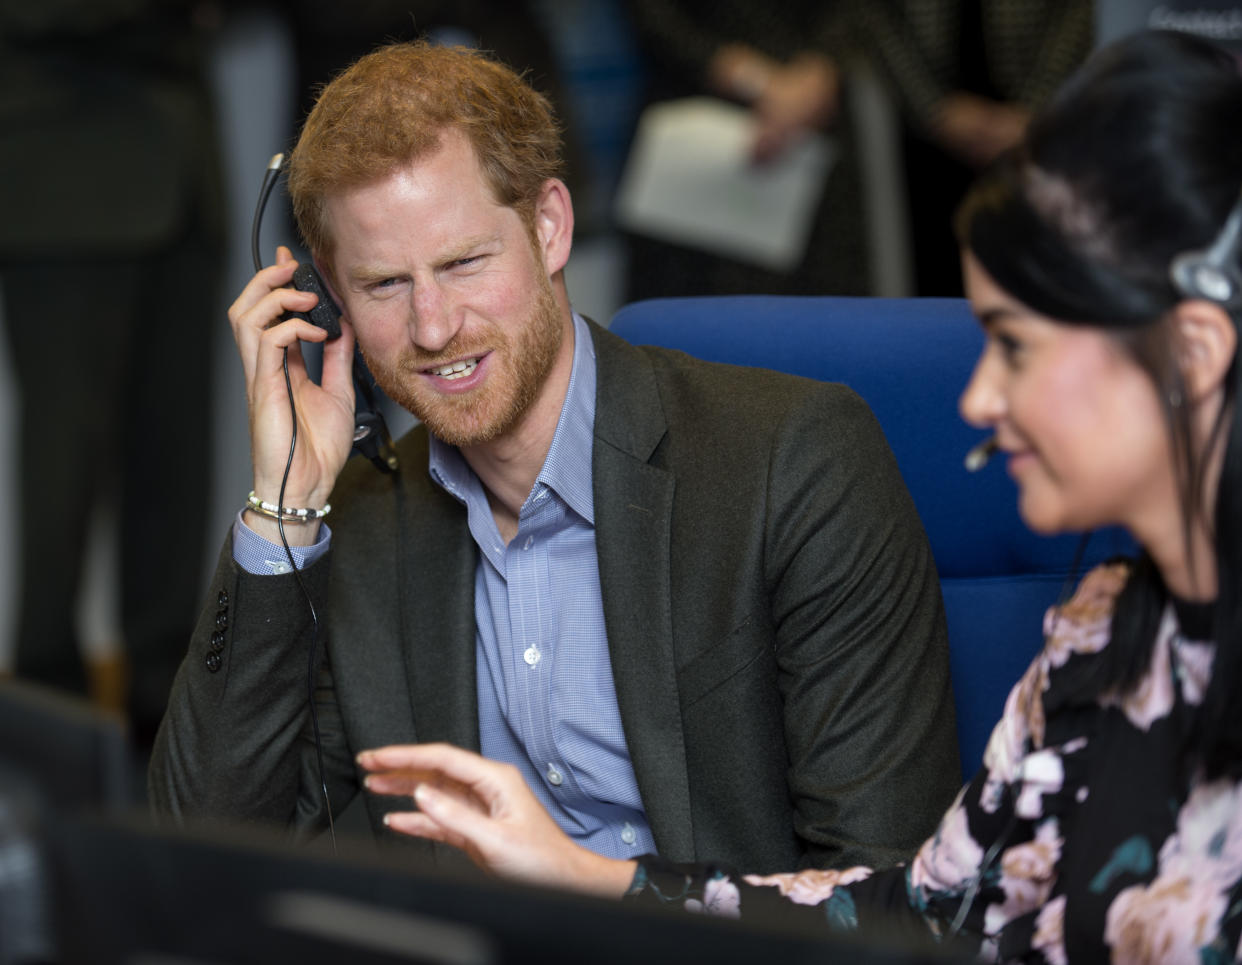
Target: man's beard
[(518, 367)]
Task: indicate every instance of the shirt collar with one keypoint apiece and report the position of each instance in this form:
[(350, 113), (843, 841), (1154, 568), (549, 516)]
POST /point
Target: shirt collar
[(567, 468)]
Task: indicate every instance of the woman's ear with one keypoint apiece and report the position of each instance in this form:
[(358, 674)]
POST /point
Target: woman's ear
[(1207, 342)]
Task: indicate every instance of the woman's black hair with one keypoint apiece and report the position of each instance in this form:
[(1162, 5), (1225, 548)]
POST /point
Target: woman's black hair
[(1137, 159)]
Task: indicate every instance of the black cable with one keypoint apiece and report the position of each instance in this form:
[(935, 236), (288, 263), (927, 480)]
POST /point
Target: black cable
[(269, 181)]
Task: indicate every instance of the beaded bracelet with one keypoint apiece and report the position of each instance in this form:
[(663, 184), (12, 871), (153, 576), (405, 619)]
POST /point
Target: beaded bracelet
[(272, 511)]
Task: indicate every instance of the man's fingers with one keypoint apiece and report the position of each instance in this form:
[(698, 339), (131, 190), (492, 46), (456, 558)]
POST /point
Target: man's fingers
[(456, 818), (403, 781), (464, 767), (262, 283), (446, 817), (393, 783), (475, 790), (419, 825), (338, 362), (286, 335), (259, 309)]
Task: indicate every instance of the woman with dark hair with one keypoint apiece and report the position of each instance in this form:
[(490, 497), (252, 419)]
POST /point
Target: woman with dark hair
[(1104, 261)]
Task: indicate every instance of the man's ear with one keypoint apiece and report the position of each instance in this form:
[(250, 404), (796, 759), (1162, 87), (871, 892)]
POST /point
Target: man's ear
[(554, 224), (1207, 342)]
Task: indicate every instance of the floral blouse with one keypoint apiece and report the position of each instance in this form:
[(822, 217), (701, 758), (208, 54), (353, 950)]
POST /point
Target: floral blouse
[(1082, 838)]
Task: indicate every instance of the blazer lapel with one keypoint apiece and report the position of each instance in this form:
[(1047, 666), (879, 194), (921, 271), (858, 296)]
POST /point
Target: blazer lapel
[(633, 520), (436, 591)]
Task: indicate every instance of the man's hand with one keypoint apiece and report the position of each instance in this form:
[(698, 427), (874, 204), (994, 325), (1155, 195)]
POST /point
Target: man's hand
[(325, 412), (485, 808)]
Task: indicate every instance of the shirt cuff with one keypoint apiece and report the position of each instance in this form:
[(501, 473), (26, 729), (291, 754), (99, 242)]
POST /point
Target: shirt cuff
[(261, 557)]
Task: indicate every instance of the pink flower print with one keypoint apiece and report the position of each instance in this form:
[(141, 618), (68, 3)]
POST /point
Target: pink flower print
[(1083, 623), (1028, 871), (1208, 842), (1195, 662), (1023, 718), (1042, 773), (720, 898), (812, 886), (1163, 923), (949, 858), (1034, 860), (1153, 698), (1049, 937)]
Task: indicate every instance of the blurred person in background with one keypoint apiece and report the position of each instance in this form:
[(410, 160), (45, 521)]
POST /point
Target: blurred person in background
[(784, 63), (966, 75), (110, 243)]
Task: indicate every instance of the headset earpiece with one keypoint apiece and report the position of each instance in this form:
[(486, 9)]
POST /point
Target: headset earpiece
[(1213, 273)]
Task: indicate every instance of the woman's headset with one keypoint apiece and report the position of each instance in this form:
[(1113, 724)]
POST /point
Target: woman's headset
[(1213, 273)]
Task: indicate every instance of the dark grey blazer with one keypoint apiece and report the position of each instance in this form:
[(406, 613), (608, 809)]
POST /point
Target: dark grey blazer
[(773, 616)]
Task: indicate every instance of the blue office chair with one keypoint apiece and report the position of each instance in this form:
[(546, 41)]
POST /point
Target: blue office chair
[(910, 359)]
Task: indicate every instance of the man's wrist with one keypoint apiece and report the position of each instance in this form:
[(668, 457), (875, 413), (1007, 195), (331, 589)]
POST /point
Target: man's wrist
[(300, 533), (605, 877)]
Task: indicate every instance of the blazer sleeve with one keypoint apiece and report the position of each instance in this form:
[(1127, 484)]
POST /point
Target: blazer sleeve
[(861, 642), (238, 739)]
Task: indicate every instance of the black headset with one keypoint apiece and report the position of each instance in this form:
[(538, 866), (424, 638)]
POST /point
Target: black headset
[(371, 437), (1213, 273)]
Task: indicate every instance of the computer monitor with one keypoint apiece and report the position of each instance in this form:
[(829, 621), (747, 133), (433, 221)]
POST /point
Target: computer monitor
[(63, 750), (129, 892), (58, 755)]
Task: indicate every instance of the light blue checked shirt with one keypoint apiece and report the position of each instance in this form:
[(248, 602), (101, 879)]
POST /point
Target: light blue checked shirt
[(547, 702)]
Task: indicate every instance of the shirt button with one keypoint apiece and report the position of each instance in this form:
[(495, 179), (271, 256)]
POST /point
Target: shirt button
[(628, 834), (532, 656), (529, 541), (554, 776)]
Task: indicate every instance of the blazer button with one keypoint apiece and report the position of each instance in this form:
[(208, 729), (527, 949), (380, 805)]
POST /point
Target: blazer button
[(214, 661), (217, 641), (222, 620), (223, 598)]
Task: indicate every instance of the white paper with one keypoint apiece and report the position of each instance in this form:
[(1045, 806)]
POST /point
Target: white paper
[(689, 179)]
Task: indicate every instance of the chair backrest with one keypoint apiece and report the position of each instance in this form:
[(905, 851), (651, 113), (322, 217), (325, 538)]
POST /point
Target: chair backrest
[(910, 359)]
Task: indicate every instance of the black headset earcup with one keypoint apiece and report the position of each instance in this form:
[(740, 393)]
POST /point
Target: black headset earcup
[(326, 314), (1213, 273), (1196, 275)]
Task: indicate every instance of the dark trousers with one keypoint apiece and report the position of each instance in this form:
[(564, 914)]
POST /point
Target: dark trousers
[(113, 357), (936, 182)]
